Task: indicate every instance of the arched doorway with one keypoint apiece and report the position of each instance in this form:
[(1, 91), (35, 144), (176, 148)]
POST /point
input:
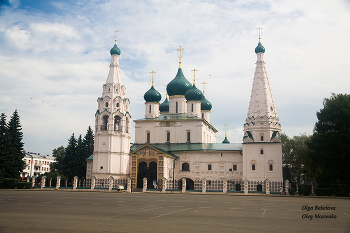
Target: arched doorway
[(189, 184), (150, 172)]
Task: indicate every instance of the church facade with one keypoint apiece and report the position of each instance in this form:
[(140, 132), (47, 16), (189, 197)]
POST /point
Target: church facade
[(175, 139)]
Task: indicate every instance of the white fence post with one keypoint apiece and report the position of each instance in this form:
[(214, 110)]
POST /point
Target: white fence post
[(245, 186), (144, 187)]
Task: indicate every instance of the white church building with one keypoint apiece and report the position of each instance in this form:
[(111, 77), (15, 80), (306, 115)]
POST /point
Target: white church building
[(175, 139)]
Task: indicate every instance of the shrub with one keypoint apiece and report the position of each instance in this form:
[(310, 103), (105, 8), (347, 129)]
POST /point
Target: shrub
[(323, 191), (24, 185), (305, 189), (9, 183), (341, 190), (291, 191)]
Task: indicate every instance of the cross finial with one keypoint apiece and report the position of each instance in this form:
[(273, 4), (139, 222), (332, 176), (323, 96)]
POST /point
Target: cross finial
[(259, 28), (152, 76), (116, 31), (194, 76), (226, 130), (204, 83), (180, 49)]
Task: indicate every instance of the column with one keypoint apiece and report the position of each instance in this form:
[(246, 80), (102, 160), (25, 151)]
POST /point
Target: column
[(286, 187), (164, 181), (129, 185), (224, 186), (267, 186), (183, 185), (204, 185), (58, 182), (111, 182), (43, 180), (144, 187), (245, 186), (93, 182), (75, 182)]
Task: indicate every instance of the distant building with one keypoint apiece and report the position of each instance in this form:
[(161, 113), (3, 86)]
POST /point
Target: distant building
[(36, 164)]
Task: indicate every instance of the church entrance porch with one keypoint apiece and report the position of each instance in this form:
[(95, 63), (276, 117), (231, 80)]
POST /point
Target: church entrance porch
[(148, 170), (189, 184)]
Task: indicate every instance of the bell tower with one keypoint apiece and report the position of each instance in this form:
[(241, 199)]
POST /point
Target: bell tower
[(262, 147), (112, 125)]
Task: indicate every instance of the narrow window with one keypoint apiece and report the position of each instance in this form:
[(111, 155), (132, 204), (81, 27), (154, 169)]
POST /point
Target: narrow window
[(117, 126), (106, 104), (262, 138), (261, 152), (109, 89), (209, 167), (202, 115), (191, 107), (104, 125), (168, 136), (271, 167), (127, 125), (185, 167), (150, 108), (117, 105), (176, 107), (148, 137), (188, 136), (253, 167), (234, 167)]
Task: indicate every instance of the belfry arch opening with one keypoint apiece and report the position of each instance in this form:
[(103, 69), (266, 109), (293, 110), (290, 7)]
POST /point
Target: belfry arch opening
[(117, 126), (104, 125)]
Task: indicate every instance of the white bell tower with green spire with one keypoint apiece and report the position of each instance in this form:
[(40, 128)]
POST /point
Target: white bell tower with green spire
[(112, 125), (262, 147)]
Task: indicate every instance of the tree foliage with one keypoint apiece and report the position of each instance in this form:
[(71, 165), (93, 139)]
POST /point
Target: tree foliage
[(294, 156), (71, 160), (11, 147), (330, 143)]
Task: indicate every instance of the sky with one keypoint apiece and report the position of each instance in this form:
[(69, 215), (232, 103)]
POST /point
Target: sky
[(54, 59)]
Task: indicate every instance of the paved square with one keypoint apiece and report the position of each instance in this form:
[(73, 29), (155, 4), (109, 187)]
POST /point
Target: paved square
[(68, 211)]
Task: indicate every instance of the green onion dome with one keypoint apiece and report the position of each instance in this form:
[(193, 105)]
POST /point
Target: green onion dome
[(115, 50), (152, 95), (205, 105), (179, 85), (225, 140), (164, 107), (259, 48), (194, 94)]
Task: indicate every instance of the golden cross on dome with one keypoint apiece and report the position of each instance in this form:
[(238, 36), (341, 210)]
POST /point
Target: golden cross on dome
[(194, 76), (204, 83), (259, 28), (116, 31), (180, 49), (152, 75), (226, 130)]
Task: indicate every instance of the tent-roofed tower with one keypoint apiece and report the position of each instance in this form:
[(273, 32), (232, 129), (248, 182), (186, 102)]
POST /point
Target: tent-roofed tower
[(112, 125), (262, 147)]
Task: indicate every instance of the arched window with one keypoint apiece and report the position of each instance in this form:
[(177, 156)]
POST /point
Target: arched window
[(188, 136), (176, 107), (104, 125), (148, 137), (185, 167), (106, 104), (117, 126), (191, 107), (117, 105), (261, 151), (253, 167), (168, 136), (127, 125), (262, 138), (150, 108), (271, 167)]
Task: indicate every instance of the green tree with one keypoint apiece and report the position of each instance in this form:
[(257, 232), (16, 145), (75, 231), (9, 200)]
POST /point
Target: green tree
[(295, 156), (330, 143), (58, 166), (4, 152), (69, 161), (89, 142), (11, 148)]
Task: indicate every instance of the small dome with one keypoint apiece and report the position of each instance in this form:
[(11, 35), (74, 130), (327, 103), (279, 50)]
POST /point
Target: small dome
[(194, 94), (152, 95), (205, 105), (179, 85), (259, 48), (115, 50), (164, 107), (225, 140)]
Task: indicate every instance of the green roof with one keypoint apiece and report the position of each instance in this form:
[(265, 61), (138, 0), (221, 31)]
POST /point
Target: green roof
[(179, 85), (91, 157), (178, 147), (205, 105), (164, 107), (115, 50), (260, 48), (194, 94), (152, 95)]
